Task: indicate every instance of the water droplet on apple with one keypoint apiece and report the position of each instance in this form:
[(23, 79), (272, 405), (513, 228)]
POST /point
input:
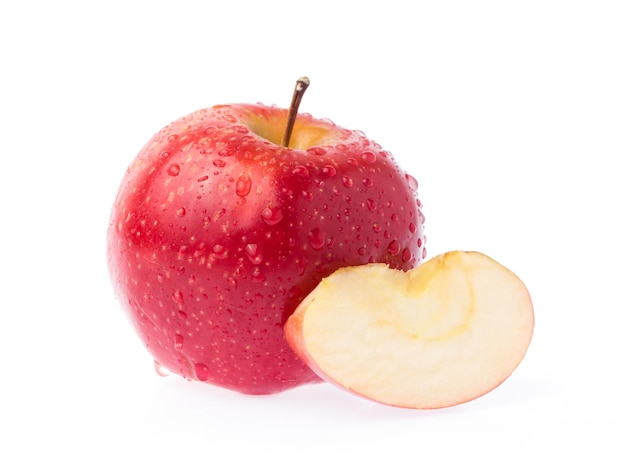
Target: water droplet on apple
[(203, 178), (368, 182), (316, 150), (347, 181), (412, 227), (412, 182), (240, 128), (301, 264), (308, 196), (421, 217), (271, 215), (258, 276), (165, 154), (406, 255), (294, 292), (226, 151), (177, 296), (219, 163), (220, 252), (172, 137), (368, 157), (394, 247), (371, 204), (173, 170), (181, 212), (329, 170), (243, 186), (161, 370), (376, 227), (178, 342), (300, 170), (254, 253), (419, 242), (202, 372), (287, 192), (317, 238)]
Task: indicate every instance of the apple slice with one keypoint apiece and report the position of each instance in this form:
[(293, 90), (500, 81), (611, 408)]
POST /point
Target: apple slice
[(438, 335)]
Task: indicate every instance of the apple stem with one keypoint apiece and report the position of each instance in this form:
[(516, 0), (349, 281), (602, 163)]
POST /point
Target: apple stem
[(298, 92)]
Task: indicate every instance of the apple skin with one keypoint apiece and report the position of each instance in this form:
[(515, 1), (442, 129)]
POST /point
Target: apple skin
[(217, 234)]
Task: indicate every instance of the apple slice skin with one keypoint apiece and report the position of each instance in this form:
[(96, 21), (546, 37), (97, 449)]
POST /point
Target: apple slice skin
[(448, 361)]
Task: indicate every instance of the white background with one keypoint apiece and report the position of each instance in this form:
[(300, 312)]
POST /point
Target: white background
[(512, 116)]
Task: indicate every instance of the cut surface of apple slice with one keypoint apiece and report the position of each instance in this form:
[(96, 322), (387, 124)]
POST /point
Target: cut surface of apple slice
[(441, 334)]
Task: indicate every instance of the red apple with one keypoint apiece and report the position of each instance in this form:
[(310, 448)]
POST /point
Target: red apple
[(441, 334), (218, 232)]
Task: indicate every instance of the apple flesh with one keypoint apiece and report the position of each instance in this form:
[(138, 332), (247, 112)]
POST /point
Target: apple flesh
[(438, 335), (218, 232)]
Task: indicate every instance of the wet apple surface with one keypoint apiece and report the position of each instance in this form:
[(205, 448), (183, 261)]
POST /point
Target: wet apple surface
[(218, 233)]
